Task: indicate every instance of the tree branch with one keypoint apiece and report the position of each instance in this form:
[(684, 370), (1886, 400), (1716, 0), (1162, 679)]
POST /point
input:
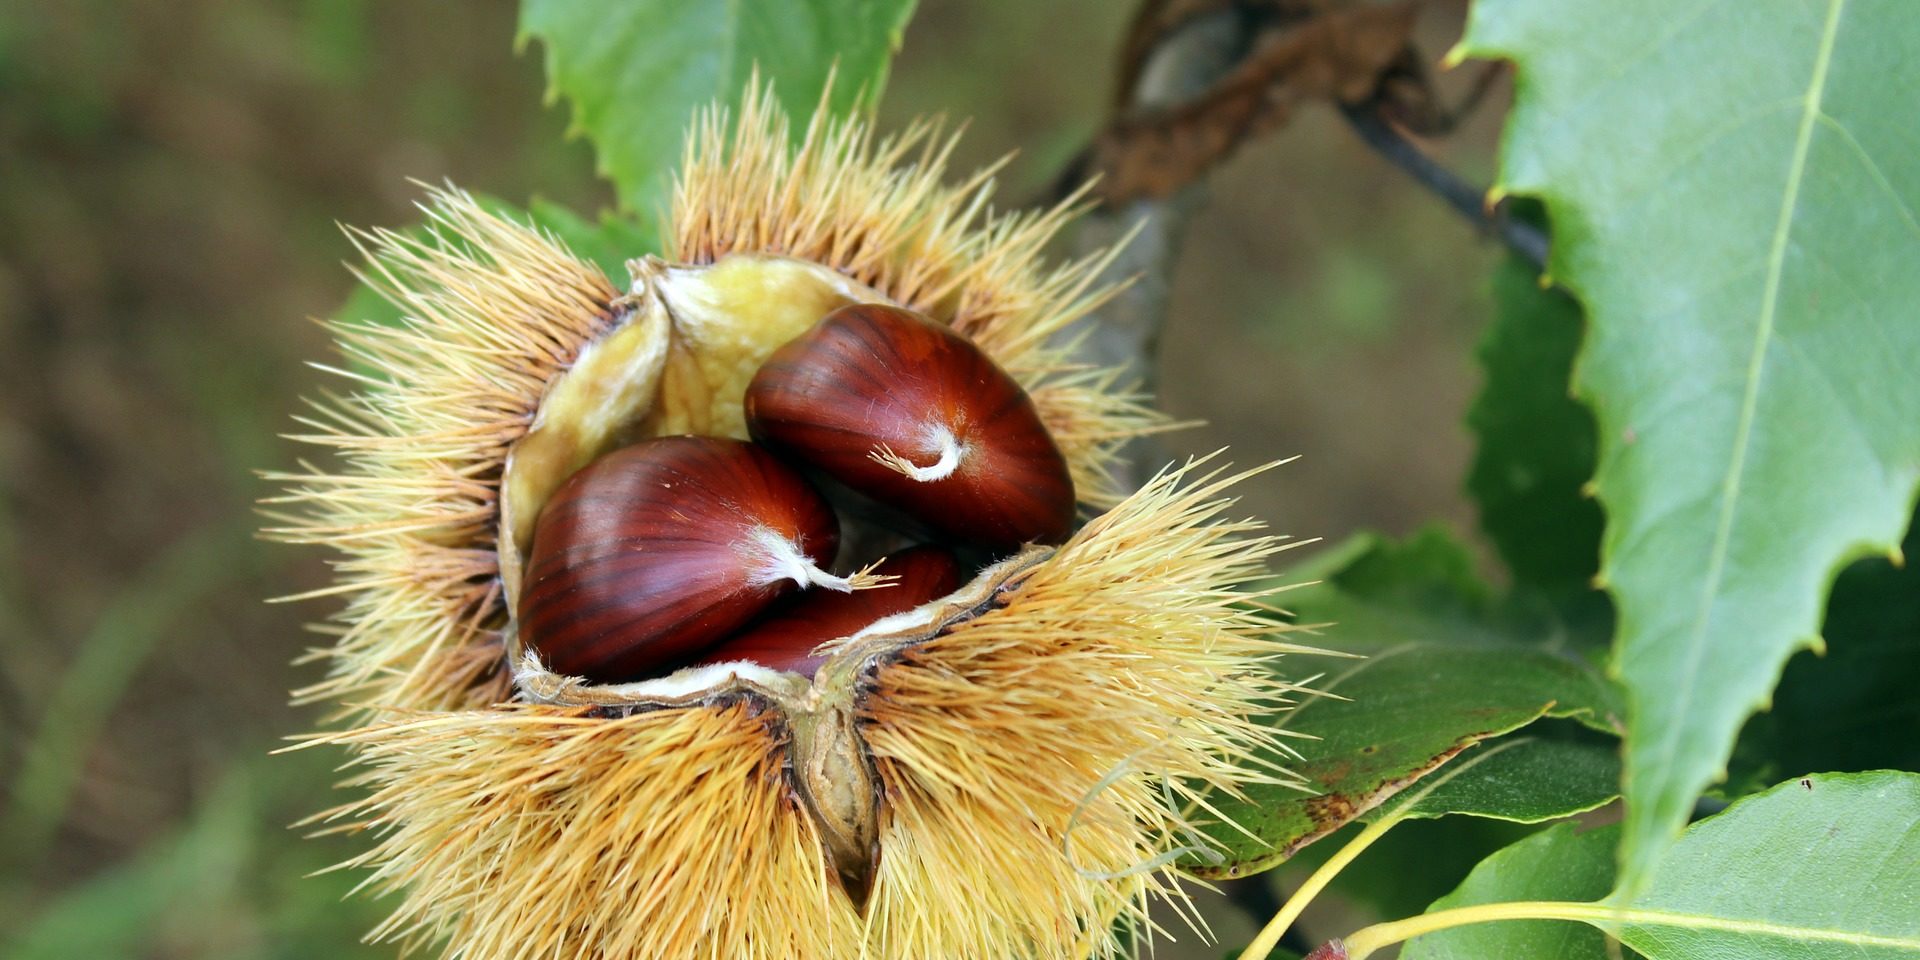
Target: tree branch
[(1470, 201), (1125, 332), (1185, 61)]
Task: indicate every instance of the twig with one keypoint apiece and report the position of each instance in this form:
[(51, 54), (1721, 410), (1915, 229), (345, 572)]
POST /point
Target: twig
[(1125, 331), (1181, 53), (1521, 237)]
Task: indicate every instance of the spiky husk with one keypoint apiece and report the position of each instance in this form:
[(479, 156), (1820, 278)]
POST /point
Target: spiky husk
[(493, 311), (1038, 764), (1043, 766), (524, 831), (1075, 732)]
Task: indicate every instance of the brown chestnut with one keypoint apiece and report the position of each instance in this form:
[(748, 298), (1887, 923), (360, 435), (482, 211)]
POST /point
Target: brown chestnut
[(909, 412), (785, 638), (658, 550)]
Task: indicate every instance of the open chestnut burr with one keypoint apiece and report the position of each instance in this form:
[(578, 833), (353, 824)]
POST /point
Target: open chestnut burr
[(909, 412), (1008, 770)]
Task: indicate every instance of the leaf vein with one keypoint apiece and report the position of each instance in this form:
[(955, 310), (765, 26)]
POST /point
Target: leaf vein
[(1873, 167), (1763, 335)]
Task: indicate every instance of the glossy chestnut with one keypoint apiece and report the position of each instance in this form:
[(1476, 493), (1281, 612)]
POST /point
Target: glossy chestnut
[(907, 411), (658, 550), (785, 638)]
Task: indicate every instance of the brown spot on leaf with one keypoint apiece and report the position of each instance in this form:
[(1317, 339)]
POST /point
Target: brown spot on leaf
[(1331, 773), (1333, 809)]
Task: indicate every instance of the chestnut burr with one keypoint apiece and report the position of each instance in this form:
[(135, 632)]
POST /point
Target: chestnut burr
[(660, 549), (907, 411), (784, 639)]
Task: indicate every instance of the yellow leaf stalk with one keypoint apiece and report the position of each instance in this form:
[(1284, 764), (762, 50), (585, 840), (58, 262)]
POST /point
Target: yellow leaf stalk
[(1009, 772)]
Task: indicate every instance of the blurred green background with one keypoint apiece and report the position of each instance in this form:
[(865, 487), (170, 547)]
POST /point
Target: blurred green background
[(171, 176)]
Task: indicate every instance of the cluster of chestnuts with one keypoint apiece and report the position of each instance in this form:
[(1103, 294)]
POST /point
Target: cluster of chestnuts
[(679, 551)]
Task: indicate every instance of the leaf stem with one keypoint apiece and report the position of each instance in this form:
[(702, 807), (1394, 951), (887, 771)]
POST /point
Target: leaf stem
[(1403, 806), (1369, 939), (1605, 916), (1290, 911)]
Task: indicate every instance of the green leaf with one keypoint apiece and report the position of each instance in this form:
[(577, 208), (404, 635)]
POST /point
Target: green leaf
[(1558, 863), (1426, 585), (1730, 195), (1821, 868), (1852, 708), (1408, 710), (1495, 787), (636, 70), (1537, 442), (1429, 574), (1526, 780), (610, 241), (1409, 867), (1435, 681), (1817, 868)]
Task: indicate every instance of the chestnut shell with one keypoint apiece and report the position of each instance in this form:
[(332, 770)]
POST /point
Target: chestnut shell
[(784, 639), (647, 556), (869, 378)]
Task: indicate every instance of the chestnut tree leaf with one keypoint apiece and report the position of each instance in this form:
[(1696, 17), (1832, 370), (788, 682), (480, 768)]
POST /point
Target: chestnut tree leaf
[(1558, 863), (1820, 868), (1853, 707), (637, 70), (1536, 445), (609, 240), (1409, 867), (1732, 200), (1437, 673), (1524, 779)]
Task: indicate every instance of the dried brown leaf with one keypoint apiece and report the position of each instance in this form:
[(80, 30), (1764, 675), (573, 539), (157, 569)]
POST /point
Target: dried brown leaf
[(1318, 52)]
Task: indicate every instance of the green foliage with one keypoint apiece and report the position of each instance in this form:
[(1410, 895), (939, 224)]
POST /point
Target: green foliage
[(117, 913), (1440, 673), (1817, 868), (130, 630), (636, 71), (1527, 780), (232, 882), (1730, 194), (1852, 707), (1558, 863), (1536, 445), (609, 241), (1418, 862)]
